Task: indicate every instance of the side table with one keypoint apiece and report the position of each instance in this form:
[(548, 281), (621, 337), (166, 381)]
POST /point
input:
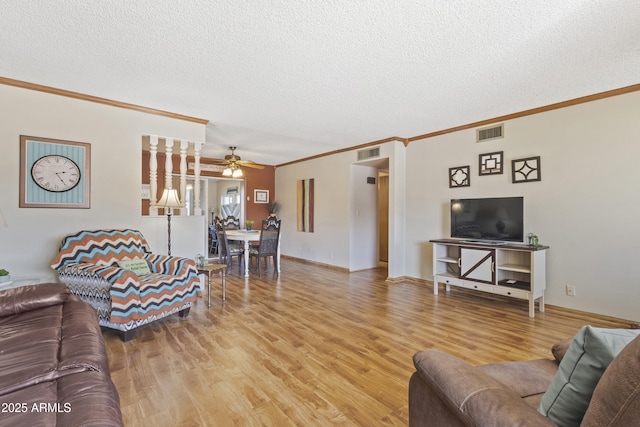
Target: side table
[(208, 270)]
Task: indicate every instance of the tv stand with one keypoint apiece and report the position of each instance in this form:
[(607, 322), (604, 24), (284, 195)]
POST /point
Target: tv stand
[(511, 270)]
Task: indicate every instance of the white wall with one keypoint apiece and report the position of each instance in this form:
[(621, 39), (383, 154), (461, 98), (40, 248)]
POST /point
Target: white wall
[(29, 243), (335, 208), (329, 243), (585, 208)]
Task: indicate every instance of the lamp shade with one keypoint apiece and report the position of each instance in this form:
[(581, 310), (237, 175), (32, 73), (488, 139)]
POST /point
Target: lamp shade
[(169, 199), (3, 222)]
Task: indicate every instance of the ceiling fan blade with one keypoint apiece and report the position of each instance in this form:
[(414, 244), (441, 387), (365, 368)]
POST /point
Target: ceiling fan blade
[(249, 164)]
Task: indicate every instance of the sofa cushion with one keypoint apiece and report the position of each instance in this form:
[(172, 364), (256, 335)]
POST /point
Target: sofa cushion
[(27, 298), (616, 399), (66, 338), (592, 349)]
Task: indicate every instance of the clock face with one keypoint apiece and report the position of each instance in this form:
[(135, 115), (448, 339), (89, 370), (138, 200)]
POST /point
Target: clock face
[(55, 173)]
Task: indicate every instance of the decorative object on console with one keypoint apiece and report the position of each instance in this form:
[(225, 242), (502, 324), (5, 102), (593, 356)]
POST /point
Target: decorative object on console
[(260, 196), (305, 205), (54, 173), (169, 201), (491, 163), (459, 176), (533, 240), (526, 170)]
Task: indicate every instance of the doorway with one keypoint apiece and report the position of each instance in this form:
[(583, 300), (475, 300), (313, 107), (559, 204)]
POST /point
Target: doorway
[(383, 216), (370, 216)]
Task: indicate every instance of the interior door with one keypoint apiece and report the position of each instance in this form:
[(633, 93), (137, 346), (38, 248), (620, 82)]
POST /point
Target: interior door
[(477, 264)]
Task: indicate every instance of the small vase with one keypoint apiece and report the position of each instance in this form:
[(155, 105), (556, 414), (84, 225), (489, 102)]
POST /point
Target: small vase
[(5, 279)]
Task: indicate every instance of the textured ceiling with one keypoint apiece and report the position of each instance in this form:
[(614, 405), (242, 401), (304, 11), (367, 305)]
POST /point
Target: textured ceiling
[(284, 80)]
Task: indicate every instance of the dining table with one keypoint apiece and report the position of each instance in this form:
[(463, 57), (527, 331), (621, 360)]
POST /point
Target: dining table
[(248, 236)]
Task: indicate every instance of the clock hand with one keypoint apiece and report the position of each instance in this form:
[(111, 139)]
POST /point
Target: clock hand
[(59, 177)]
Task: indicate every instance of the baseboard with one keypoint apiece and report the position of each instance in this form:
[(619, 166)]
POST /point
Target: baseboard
[(319, 264)]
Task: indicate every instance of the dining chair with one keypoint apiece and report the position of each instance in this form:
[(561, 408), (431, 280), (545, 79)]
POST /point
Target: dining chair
[(226, 252), (231, 222), (267, 246), (213, 240)]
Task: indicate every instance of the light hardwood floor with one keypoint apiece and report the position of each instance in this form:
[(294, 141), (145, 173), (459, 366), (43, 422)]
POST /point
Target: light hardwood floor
[(316, 347)]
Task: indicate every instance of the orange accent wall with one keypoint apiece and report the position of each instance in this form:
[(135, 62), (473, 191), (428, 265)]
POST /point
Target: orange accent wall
[(254, 179)]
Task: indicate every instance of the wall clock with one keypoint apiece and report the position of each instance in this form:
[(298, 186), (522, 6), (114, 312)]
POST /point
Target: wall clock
[(54, 173)]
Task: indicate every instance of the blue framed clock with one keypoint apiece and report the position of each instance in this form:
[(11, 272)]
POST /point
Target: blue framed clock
[(54, 173)]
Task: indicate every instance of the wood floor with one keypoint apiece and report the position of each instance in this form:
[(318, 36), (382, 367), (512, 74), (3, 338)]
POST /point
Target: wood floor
[(316, 347)]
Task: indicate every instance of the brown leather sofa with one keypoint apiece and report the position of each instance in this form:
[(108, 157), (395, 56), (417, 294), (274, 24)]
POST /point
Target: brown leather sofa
[(53, 364), (446, 391)]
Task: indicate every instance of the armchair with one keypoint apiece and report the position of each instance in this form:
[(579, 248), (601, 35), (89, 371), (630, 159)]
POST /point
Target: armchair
[(91, 264)]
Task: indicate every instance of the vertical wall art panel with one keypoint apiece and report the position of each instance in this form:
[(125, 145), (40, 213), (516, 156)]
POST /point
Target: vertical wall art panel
[(305, 205)]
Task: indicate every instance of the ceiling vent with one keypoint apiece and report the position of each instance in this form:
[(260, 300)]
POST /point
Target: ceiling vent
[(368, 153), (490, 133)]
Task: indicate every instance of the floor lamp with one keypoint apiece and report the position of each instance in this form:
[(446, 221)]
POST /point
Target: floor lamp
[(169, 201)]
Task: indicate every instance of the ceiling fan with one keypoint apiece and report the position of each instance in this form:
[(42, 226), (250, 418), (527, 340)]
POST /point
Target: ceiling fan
[(232, 163)]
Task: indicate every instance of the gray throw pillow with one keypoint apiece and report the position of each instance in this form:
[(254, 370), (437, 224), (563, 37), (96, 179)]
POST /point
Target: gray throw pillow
[(591, 351)]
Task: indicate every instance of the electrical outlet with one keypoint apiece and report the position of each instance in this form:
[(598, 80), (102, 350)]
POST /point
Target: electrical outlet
[(570, 290)]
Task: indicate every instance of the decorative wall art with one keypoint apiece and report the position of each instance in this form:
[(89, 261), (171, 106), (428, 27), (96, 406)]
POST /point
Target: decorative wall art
[(459, 176), (260, 196), (491, 163), (526, 170), (54, 173), (305, 205)]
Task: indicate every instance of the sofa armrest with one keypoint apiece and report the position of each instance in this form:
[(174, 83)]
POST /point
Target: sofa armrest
[(171, 265), (473, 396), (27, 298)]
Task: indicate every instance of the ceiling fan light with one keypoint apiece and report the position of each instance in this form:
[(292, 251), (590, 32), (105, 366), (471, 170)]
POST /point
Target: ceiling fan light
[(237, 173), (227, 172)]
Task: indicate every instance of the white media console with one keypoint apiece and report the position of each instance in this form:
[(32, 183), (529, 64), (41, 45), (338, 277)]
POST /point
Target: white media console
[(512, 270)]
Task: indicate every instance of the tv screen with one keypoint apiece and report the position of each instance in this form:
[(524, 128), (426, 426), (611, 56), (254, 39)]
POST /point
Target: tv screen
[(489, 219)]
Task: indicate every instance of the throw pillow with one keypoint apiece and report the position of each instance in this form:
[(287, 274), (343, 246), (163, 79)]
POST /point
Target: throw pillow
[(592, 349), (138, 266)]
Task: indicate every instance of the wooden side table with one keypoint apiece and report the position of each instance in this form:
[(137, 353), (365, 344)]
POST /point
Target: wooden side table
[(208, 270)]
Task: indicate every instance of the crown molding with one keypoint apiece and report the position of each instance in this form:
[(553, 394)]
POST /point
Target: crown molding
[(96, 99)]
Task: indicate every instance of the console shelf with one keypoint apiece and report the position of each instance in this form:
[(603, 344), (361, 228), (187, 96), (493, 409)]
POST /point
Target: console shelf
[(516, 270)]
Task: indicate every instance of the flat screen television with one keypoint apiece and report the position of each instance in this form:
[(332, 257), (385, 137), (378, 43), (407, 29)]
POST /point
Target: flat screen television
[(498, 219)]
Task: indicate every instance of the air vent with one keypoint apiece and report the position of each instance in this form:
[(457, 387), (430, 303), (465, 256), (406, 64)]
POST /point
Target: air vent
[(487, 134), (368, 153)]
